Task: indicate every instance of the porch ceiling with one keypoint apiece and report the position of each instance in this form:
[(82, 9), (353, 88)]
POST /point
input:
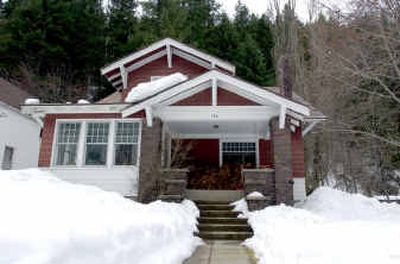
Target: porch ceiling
[(218, 128)]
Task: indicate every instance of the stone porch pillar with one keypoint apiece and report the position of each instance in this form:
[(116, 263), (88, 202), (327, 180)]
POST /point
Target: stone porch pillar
[(150, 162), (282, 156)]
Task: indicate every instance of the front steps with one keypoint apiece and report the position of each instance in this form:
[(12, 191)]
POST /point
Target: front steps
[(218, 222)]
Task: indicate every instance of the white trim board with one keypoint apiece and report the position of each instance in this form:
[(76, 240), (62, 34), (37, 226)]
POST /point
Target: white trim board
[(171, 43), (43, 109), (238, 86)]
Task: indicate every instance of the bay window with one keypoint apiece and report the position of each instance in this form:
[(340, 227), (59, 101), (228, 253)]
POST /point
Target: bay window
[(97, 142)]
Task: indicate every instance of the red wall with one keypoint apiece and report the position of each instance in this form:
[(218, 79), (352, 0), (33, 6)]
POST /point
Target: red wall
[(265, 155), (49, 128), (202, 98), (228, 98), (297, 154), (204, 151), (159, 67)]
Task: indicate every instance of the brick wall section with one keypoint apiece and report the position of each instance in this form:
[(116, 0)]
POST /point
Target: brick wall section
[(282, 155), (49, 128), (150, 162), (298, 153), (159, 67), (265, 155), (260, 180)]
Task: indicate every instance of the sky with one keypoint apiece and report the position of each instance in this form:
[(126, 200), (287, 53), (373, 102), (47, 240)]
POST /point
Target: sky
[(259, 7)]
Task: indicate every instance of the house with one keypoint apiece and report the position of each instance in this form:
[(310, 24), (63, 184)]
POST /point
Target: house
[(19, 134), (180, 120)]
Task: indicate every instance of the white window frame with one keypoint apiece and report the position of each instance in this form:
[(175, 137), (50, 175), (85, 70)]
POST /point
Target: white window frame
[(240, 140), (81, 148), (84, 153), (114, 143)]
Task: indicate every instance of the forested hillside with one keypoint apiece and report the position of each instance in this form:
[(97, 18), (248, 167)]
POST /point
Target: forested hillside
[(346, 63), (58, 47)]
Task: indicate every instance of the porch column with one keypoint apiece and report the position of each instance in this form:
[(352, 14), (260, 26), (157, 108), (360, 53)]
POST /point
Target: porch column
[(150, 162), (282, 155)]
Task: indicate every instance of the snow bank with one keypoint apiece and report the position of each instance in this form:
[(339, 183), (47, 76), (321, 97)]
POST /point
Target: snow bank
[(45, 220), (146, 89), (329, 227)]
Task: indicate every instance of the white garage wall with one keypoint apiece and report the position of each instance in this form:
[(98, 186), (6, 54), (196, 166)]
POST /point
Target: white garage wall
[(22, 134)]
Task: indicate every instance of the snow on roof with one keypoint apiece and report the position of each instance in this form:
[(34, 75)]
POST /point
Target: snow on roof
[(147, 89), (83, 101), (32, 101)]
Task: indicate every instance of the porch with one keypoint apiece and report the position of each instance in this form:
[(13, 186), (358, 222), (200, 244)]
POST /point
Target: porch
[(224, 158)]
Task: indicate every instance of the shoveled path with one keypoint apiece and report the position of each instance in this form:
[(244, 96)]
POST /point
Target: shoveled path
[(222, 252)]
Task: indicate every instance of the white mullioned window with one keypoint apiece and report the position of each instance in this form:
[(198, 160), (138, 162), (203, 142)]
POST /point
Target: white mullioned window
[(97, 142), (67, 143), (126, 143), (244, 153)]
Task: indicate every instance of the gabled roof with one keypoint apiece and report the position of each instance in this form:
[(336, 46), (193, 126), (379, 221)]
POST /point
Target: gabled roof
[(239, 86), (117, 71), (11, 94)]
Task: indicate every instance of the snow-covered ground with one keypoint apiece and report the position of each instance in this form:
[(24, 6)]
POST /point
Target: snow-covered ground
[(330, 227), (44, 220)]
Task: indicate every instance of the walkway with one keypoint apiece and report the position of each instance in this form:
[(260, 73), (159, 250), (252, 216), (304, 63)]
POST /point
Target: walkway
[(222, 252)]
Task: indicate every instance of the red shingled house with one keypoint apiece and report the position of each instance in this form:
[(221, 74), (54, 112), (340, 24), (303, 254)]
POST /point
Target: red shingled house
[(224, 130)]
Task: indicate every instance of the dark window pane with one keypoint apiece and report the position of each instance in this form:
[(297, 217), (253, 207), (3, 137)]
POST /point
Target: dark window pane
[(125, 154), (66, 154), (96, 154)]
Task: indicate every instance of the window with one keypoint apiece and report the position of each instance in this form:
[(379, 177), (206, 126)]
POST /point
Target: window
[(7, 158), (243, 153), (126, 143), (67, 143), (96, 143)]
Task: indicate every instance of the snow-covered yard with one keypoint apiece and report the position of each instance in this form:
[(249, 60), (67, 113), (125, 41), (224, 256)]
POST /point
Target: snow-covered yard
[(45, 220), (329, 227)]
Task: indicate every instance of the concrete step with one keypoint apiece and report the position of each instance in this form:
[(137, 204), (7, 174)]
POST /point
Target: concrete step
[(222, 220), (218, 213), (226, 196), (225, 235), (224, 228), (215, 206)]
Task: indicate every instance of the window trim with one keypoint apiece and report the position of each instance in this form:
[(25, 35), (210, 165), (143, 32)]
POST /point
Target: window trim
[(81, 148)]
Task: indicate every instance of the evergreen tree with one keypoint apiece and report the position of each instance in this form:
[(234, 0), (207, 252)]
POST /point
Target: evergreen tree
[(121, 26)]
